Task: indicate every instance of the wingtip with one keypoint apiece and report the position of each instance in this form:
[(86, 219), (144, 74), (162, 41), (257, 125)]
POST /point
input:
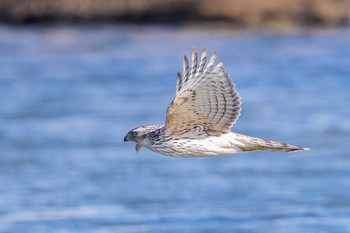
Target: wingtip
[(185, 58), (213, 56), (220, 65), (185, 62)]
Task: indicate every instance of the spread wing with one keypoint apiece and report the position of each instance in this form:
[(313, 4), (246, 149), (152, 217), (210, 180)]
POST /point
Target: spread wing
[(205, 97)]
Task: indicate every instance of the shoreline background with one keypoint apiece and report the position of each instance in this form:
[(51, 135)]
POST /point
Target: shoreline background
[(279, 14)]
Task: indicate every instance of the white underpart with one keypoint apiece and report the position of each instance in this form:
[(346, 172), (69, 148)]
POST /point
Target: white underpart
[(200, 147)]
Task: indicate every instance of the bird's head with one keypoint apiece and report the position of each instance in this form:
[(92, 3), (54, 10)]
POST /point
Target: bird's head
[(140, 135)]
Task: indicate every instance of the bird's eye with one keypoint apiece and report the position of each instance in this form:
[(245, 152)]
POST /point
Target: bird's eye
[(134, 134)]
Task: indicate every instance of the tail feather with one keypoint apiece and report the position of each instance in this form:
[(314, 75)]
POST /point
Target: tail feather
[(251, 144)]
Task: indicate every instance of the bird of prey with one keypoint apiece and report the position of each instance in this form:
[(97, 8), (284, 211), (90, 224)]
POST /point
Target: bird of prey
[(200, 117)]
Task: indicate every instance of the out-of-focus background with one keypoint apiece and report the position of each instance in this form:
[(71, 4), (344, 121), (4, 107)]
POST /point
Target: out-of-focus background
[(75, 76)]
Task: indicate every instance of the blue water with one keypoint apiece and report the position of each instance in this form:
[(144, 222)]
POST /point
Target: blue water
[(69, 94)]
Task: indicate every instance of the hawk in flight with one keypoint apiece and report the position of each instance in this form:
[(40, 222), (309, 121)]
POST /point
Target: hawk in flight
[(200, 117)]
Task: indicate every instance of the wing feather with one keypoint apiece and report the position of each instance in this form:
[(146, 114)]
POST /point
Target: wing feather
[(202, 61), (211, 63), (204, 98), (194, 63), (185, 70), (178, 82)]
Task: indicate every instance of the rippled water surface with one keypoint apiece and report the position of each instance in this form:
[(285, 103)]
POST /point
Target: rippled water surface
[(69, 94)]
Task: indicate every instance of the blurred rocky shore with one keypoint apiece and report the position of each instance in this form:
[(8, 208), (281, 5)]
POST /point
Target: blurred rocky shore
[(232, 13)]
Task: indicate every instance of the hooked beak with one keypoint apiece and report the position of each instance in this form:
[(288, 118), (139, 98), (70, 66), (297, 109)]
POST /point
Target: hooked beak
[(126, 138), (138, 146)]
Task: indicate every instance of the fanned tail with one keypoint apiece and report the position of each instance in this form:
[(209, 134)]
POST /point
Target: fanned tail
[(251, 144)]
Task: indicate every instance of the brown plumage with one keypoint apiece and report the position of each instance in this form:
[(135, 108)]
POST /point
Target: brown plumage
[(199, 119)]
